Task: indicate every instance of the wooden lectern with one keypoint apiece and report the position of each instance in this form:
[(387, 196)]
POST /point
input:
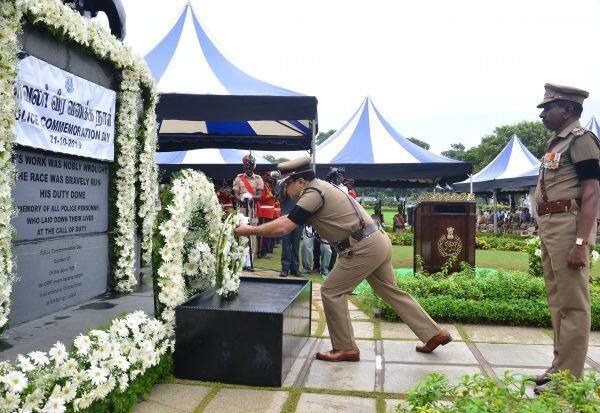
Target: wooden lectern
[(443, 230)]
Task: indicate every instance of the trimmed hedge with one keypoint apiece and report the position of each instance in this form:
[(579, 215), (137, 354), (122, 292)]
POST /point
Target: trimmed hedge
[(482, 242), (497, 297)]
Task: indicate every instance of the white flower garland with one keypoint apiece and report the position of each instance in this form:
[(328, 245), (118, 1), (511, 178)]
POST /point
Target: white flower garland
[(125, 226), (148, 177), (231, 253), (191, 192), (10, 22), (100, 362)]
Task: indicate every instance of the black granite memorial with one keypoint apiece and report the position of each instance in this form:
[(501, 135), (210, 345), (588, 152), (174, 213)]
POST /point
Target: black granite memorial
[(251, 339)]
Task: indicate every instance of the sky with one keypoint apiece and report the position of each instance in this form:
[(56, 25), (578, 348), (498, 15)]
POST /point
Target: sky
[(441, 71)]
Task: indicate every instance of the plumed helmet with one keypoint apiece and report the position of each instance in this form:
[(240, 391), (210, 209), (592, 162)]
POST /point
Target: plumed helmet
[(249, 161)]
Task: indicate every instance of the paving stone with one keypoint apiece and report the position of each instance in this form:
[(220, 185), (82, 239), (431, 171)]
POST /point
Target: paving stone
[(358, 315), (182, 396), (390, 405), (247, 401), (595, 338), (594, 354), (154, 407), (328, 403), (294, 372), (342, 376), (507, 334), (451, 353), (517, 354), (400, 378), (362, 329), (367, 348), (314, 315), (306, 350), (352, 306), (397, 330)]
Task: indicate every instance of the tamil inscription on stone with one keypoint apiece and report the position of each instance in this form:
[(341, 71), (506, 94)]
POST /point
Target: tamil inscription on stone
[(58, 273), (57, 196)]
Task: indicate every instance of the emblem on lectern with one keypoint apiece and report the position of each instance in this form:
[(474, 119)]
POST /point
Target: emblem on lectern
[(449, 245)]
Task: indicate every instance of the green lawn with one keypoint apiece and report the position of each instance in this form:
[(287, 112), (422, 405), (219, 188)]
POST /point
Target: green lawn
[(388, 214), (402, 258)]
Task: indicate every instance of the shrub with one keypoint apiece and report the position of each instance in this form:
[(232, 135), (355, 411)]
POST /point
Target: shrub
[(503, 297), (401, 238), (481, 394)]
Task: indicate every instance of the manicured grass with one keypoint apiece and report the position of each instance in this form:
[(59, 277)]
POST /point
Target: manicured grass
[(402, 258), (388, 214)]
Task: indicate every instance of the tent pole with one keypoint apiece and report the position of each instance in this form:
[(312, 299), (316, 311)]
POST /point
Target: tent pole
[(495, 203), (313, 149), (471, 184)]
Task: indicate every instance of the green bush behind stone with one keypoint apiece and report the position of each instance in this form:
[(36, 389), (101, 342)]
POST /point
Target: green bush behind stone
[(494, 297)]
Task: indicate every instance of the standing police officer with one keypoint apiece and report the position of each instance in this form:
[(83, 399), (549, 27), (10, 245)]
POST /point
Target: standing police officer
[(567, 196), (364, 251)]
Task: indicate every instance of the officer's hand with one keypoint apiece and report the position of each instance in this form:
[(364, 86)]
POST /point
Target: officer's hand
[(243, 230), (577, 257)]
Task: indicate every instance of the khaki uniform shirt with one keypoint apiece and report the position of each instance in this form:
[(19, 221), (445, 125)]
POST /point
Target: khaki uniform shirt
[(239, 188), (563, 182), (333, 216)]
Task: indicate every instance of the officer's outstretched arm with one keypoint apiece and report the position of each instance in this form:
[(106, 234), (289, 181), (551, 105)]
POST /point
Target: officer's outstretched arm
[(276, 228)]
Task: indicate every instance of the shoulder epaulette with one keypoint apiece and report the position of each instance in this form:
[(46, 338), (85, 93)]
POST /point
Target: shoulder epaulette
[(579, 131)]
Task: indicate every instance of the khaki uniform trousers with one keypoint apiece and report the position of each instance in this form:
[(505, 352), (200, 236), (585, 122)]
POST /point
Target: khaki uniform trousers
[(371, 258), (567, 290)]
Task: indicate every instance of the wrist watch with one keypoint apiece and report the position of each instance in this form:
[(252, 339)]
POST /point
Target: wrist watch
[(580, 241)]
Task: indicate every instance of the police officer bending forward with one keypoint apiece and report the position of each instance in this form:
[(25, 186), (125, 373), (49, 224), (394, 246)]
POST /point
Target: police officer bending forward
[(364, 251)]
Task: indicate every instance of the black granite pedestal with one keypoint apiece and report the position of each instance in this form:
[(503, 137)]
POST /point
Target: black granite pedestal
[(250, 339)]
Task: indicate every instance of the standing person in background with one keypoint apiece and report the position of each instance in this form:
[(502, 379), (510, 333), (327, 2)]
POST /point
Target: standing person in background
[(350, 185), (308, 238), (266, 213), (247, 188), (290, 242), (567, 197)]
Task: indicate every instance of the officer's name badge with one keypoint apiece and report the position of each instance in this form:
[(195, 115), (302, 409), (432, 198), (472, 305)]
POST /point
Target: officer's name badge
[(551, 160)]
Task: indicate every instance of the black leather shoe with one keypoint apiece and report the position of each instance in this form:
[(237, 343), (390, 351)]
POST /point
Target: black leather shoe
[(283, 274), (544, 377), (250, 269), (539, 389)]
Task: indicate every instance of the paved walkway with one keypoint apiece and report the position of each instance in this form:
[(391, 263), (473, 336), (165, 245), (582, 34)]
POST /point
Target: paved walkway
[(388, 369)]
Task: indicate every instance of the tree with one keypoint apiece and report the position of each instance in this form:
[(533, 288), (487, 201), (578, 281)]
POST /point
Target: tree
[(420, 143), (322, 136), (274, 160), (456, 151)]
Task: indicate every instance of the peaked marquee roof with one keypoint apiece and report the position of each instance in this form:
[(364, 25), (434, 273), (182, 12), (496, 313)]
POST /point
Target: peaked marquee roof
[(374, 153), (207, 101), (513, 161)]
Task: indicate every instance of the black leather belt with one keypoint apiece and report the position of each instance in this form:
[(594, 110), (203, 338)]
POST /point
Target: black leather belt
[(358, 235)]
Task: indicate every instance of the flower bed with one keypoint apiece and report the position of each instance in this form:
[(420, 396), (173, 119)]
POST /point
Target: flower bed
[(105, 370), (506, 394), (502, 297), (482, 241), (534, 253)]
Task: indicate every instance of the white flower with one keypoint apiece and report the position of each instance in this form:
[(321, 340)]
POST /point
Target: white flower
[(24, 363), (39, 358), (97, 375), (15, 381), (538, 252), (82, 344), (54, 405), (58, 353), (595, 256)]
